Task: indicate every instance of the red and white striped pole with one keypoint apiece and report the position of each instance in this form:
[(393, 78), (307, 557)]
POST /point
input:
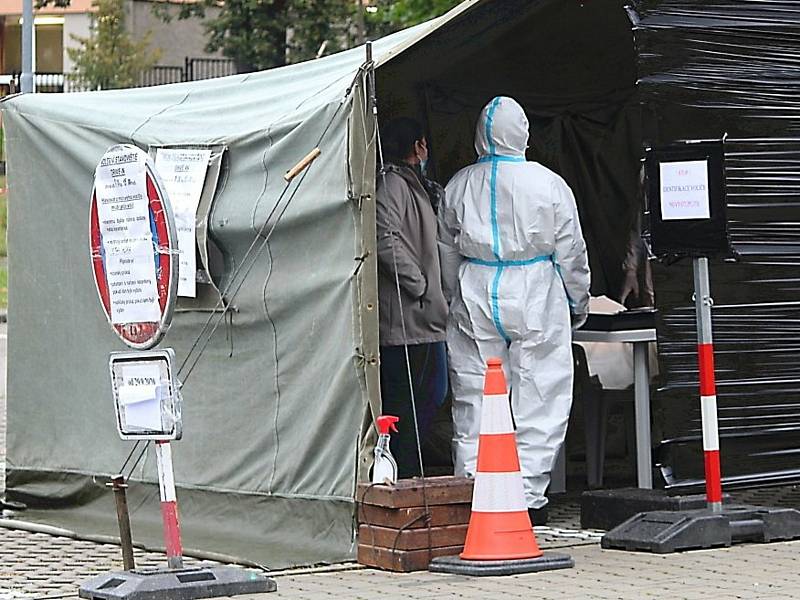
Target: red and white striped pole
[(708, 386), (169, 506)]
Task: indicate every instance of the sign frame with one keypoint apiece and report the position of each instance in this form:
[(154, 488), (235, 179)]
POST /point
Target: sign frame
[(692, 236), (173, 400), (141, 335)]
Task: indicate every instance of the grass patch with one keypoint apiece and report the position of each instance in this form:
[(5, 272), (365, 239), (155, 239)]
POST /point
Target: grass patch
[(3, 248), (4, 287), (3, 216)]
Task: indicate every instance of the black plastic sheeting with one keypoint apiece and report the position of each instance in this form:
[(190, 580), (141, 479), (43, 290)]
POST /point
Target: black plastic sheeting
[(709, 70)]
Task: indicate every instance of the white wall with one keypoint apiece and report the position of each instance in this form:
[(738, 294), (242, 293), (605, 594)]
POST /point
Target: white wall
[(176, 39), (74, 24)]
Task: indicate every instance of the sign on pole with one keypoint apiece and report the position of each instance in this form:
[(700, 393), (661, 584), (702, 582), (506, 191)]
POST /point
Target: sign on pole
[(146, 396), (133, 246), (686, 198)]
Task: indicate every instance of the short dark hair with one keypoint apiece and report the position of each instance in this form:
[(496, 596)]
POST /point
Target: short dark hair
[(398, 137)]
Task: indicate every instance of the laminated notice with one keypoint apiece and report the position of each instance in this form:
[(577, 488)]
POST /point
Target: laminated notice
[(684, 190), (183, 172), (124, 218), (140, 396)]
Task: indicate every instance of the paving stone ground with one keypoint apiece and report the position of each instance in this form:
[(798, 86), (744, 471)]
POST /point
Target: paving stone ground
[(46, 567)]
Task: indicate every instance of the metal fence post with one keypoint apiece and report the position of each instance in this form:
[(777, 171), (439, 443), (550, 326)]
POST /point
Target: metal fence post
[(26, 80)]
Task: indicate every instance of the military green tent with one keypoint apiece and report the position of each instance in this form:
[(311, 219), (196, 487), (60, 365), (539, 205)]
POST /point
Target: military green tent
[(278, 406)]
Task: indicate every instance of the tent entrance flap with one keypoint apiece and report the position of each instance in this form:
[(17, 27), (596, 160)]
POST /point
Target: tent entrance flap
[(572, 67)]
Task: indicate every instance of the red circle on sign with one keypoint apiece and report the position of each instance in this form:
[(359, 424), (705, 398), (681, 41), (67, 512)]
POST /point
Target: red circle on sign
[(142, 335)]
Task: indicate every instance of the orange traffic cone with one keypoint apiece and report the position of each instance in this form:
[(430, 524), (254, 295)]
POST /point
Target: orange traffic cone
[(500, 538), (499, 527)]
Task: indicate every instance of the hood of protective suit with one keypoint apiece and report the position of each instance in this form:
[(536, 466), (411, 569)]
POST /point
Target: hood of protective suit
[(502, 129)]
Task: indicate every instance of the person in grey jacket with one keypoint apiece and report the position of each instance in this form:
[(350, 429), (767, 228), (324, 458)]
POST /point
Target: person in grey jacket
[(412, 308)]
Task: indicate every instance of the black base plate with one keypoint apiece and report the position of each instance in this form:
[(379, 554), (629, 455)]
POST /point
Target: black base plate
[(483, 568), (605, 509), (176, 584), (662, 532)]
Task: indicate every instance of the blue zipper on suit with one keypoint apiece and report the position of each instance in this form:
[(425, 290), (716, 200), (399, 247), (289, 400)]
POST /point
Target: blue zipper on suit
[(495, 159)]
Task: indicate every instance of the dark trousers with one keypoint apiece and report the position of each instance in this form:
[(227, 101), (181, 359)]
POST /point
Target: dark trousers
[(429, 378)]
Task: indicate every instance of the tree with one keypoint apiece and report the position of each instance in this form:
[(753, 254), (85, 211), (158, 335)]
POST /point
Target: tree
[(109, 58), (260, 34), (388, 16)]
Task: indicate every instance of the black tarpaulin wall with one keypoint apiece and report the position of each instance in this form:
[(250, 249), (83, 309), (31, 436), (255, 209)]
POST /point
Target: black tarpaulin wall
[(707, 69)]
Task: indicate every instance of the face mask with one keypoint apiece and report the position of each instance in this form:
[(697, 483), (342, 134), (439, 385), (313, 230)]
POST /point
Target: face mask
[(423, 166)]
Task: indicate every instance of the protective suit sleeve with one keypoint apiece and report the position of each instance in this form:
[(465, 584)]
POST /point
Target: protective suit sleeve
[(571, 259), (393, 244), (449, 256)]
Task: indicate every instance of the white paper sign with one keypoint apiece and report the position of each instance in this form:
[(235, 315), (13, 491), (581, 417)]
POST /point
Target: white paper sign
[(122, 209), (684, 190), (139, 396), (183, 172)]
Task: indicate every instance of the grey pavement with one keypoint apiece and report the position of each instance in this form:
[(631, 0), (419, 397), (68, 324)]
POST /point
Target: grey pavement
[(56, 566), (46, 567)]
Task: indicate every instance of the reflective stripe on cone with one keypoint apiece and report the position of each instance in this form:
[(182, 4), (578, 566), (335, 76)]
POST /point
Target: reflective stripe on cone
[(499, 526)]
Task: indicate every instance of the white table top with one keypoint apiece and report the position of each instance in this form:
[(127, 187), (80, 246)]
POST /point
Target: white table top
[(626, 335)]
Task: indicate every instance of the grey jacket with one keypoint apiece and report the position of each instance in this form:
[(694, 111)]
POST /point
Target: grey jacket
[(407, 233)]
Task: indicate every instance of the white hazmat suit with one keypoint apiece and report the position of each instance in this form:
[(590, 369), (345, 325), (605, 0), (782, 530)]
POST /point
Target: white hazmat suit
[(514, 266)]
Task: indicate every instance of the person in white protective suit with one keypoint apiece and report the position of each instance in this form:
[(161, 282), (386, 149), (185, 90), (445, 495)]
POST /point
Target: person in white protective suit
[(516, 276)]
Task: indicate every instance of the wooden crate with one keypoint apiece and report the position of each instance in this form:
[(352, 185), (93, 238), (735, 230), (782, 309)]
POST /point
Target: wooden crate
[(402, 561), (408, 493), (392, 532)]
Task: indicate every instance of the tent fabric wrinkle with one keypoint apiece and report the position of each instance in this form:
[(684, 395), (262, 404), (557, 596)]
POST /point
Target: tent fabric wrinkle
[(274, 406)]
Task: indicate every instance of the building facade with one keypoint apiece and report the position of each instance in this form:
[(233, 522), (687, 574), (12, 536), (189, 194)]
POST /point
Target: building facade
[(179, 42)]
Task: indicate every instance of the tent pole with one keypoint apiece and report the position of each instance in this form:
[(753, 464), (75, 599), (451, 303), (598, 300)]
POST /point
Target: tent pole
[(371, 80), (360, 25)]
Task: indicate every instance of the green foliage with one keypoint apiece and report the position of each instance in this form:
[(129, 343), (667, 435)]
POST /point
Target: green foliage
[(3, 216), (109, 58), (57, 3), (260, 34), (393, 15), (4, 286)]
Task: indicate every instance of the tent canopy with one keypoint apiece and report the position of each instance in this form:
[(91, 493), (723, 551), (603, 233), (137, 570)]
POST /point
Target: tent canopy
[(274, 410)]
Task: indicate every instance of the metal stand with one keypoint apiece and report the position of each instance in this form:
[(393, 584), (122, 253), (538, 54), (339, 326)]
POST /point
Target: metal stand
[(641, 390), (178, 584), (169, 506), (175, 582), (716, 525), (121, 501), (605, 509), (708, 386)]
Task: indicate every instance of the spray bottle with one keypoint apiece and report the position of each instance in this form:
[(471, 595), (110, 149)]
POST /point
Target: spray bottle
[(385, 467)]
